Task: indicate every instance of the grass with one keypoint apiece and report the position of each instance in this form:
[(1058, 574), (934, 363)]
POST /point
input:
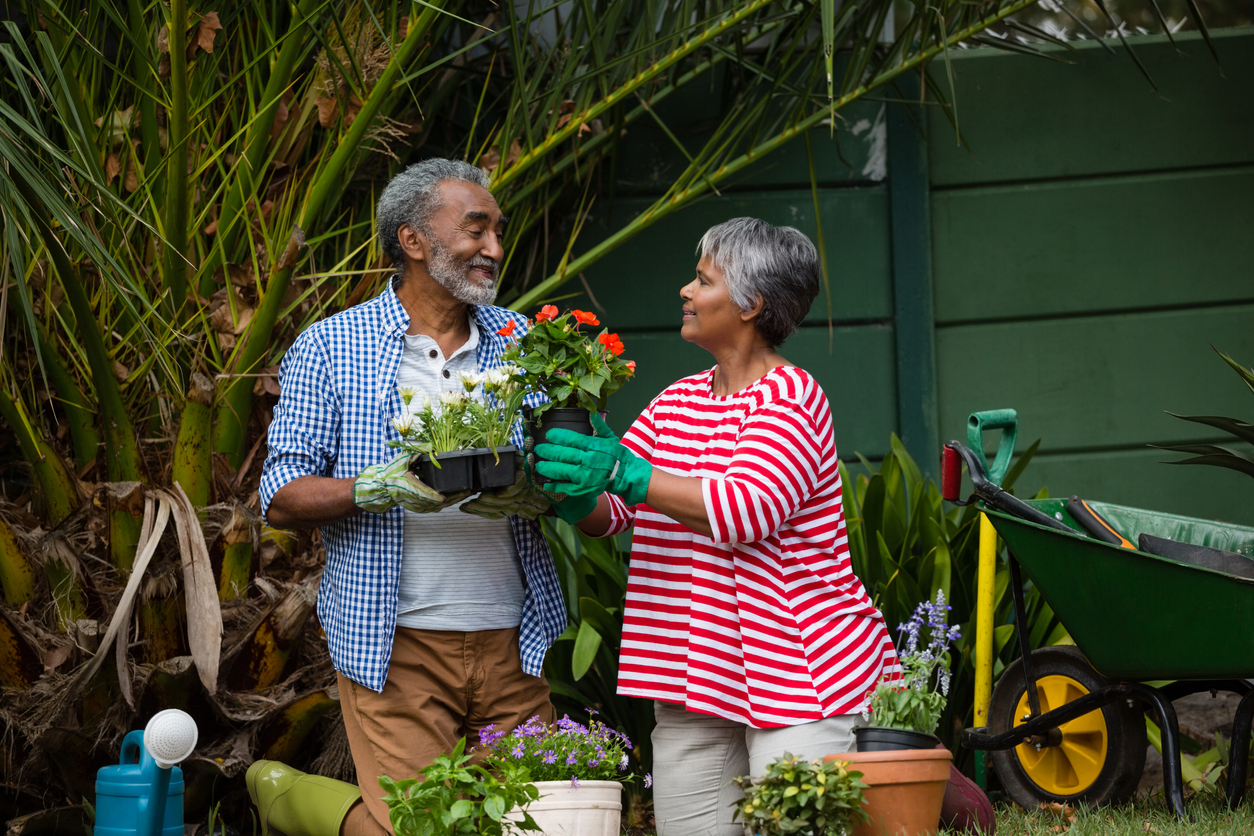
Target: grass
[(1210, 813)]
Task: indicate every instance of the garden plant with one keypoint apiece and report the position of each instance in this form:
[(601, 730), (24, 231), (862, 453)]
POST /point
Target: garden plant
[(800, 796)]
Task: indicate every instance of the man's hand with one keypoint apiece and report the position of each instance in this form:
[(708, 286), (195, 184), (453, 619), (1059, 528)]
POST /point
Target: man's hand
[(581, 465), (381, 487), (522, 499)]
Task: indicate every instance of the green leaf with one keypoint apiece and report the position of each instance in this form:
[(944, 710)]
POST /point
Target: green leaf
[(494, 806), (593, 612), (460, 810), (587, 643)]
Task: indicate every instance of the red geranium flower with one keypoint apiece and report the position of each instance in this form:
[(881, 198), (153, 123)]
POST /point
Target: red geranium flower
[(631, 365), (546, 313), (585, 318), (508, 329), (612, 342)]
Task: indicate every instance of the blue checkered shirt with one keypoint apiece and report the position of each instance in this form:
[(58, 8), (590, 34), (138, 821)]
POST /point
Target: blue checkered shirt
[(334, 417)]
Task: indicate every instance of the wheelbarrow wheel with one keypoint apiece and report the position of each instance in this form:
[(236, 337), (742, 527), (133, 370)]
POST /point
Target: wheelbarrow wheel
[(1102, 753)]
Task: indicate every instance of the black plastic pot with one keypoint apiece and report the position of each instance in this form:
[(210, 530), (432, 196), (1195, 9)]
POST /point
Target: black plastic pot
[(576, 419), (455, 474), (880, 739), (494, 470)]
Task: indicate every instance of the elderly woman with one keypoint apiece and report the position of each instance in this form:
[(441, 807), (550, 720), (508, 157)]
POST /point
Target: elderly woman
[(744, 622)]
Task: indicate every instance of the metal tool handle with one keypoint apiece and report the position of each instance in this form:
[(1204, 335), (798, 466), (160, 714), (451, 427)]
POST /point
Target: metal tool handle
[(1006, 420)]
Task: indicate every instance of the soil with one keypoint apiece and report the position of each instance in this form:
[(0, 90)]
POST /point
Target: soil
[(1201, 717)]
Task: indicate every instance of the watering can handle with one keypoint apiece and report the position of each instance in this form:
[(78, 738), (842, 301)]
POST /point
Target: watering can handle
[(1005, 420), (132, 748)]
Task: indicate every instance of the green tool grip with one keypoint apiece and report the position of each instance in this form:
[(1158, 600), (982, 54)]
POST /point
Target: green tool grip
[(1006, 420)]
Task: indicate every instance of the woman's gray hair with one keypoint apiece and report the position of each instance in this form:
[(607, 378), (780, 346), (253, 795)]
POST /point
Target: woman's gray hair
[(412, 198), (778, 264)]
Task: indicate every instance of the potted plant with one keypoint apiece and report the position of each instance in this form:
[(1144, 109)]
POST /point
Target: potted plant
[(821, 798), (576, 370), (462, 441), (458, 799), (578, 770), (897, 753)]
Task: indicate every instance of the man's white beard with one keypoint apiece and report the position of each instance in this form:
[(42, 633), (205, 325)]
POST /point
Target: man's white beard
[(454, 275)]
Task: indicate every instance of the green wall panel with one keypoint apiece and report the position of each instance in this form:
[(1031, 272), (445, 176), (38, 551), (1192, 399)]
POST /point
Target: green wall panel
[(637, 286), (1093, 244), (1095, 382), (1027, 118), (1138, 479), (856, 372)]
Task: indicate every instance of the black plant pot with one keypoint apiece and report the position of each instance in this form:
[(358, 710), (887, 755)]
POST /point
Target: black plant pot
[(576, 419), (455, 474), (494, 470), (880, 739)]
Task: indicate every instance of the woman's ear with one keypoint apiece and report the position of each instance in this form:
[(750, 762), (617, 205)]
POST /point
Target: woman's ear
[(745, 316)]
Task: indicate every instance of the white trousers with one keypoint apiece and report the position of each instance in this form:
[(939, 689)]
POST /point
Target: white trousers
[(695, 757)]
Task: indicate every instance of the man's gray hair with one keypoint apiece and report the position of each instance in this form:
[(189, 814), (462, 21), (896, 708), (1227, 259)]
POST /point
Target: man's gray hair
[(412, 198), (779, 264)]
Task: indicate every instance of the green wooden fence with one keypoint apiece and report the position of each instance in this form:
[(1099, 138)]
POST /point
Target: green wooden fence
[(1074, 261)]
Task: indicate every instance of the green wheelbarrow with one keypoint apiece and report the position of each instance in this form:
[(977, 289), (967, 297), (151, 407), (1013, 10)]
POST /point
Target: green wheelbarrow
[(1066, 723)]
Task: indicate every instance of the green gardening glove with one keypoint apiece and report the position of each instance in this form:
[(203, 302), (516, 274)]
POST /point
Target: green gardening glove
[(571, 509), (381, 487), (581, 465), (522, 499)]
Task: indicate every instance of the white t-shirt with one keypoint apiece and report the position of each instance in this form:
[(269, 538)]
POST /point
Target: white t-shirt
[(459, 571)]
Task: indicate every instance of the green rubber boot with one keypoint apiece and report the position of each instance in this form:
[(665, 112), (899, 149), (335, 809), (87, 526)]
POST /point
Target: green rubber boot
[(294, 803)]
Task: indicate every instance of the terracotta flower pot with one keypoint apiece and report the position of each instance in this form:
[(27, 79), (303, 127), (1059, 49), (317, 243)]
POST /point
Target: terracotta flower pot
[(905, 790)]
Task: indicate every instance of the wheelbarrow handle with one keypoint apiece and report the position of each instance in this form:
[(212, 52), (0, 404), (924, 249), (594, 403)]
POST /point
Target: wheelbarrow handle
[(1006, 420), (991, 493)]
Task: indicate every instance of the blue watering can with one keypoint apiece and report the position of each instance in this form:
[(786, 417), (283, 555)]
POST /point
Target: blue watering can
[(143, 794)]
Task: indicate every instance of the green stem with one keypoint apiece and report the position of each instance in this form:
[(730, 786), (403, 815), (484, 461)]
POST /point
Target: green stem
[(236, 403), (59, 494), (144, 71), (257, 143), (192, 466), (78, 415), (669, 205), (174, 267), (629, 88)]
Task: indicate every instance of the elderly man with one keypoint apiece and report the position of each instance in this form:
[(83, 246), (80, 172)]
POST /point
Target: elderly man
[(437, 620)]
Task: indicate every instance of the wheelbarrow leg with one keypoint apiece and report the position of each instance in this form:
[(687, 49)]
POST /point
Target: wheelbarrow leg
[(1025, 645), (1173, 782), (1240, 752)]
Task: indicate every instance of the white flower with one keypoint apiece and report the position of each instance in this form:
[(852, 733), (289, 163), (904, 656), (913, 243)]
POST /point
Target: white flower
[(471, 380), (403, 424), (453, 399), (407, 393)]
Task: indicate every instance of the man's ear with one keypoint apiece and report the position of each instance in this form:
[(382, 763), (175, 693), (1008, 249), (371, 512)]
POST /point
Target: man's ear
[(745, 316), (413, 242)]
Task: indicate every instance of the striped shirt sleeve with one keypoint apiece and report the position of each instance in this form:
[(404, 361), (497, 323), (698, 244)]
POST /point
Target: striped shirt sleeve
[(774, 469), (303, 438)]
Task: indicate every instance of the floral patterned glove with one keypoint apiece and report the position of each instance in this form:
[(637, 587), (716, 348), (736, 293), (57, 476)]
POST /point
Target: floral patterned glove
[(381, 487)]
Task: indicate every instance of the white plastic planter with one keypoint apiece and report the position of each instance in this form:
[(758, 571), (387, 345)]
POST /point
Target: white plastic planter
[(594, 809)]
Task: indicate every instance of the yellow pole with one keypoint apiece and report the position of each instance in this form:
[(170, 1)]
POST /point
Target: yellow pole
[(986, 577)]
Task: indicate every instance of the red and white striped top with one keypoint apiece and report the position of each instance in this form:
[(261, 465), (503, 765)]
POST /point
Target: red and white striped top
[(764, 623)]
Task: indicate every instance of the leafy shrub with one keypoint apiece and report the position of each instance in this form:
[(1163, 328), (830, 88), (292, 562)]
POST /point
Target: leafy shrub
[(797, 796)]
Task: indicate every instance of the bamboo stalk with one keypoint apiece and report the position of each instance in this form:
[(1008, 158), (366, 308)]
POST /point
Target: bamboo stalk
[(284, 733), (192, 465), (236, 544), (78, 417), (174, 267), (144, 71), (17, 575), (60, 496), (236, 403)]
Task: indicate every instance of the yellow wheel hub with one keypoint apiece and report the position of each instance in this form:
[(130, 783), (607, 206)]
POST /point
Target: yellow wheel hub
[(1072, 767)]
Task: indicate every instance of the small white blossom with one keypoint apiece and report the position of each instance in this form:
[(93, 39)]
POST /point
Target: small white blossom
[(403, 424), (407, 393), (471, 380)]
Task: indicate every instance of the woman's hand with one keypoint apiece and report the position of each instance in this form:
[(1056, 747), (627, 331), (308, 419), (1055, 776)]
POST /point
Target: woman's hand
[(582, 465)]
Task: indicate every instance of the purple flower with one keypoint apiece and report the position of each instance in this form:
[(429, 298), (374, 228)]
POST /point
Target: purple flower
[(549, 756), (517, 751), (648, 780), (488, 735), (571, 760), (622, 764), (594, 762), (574, 782)]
